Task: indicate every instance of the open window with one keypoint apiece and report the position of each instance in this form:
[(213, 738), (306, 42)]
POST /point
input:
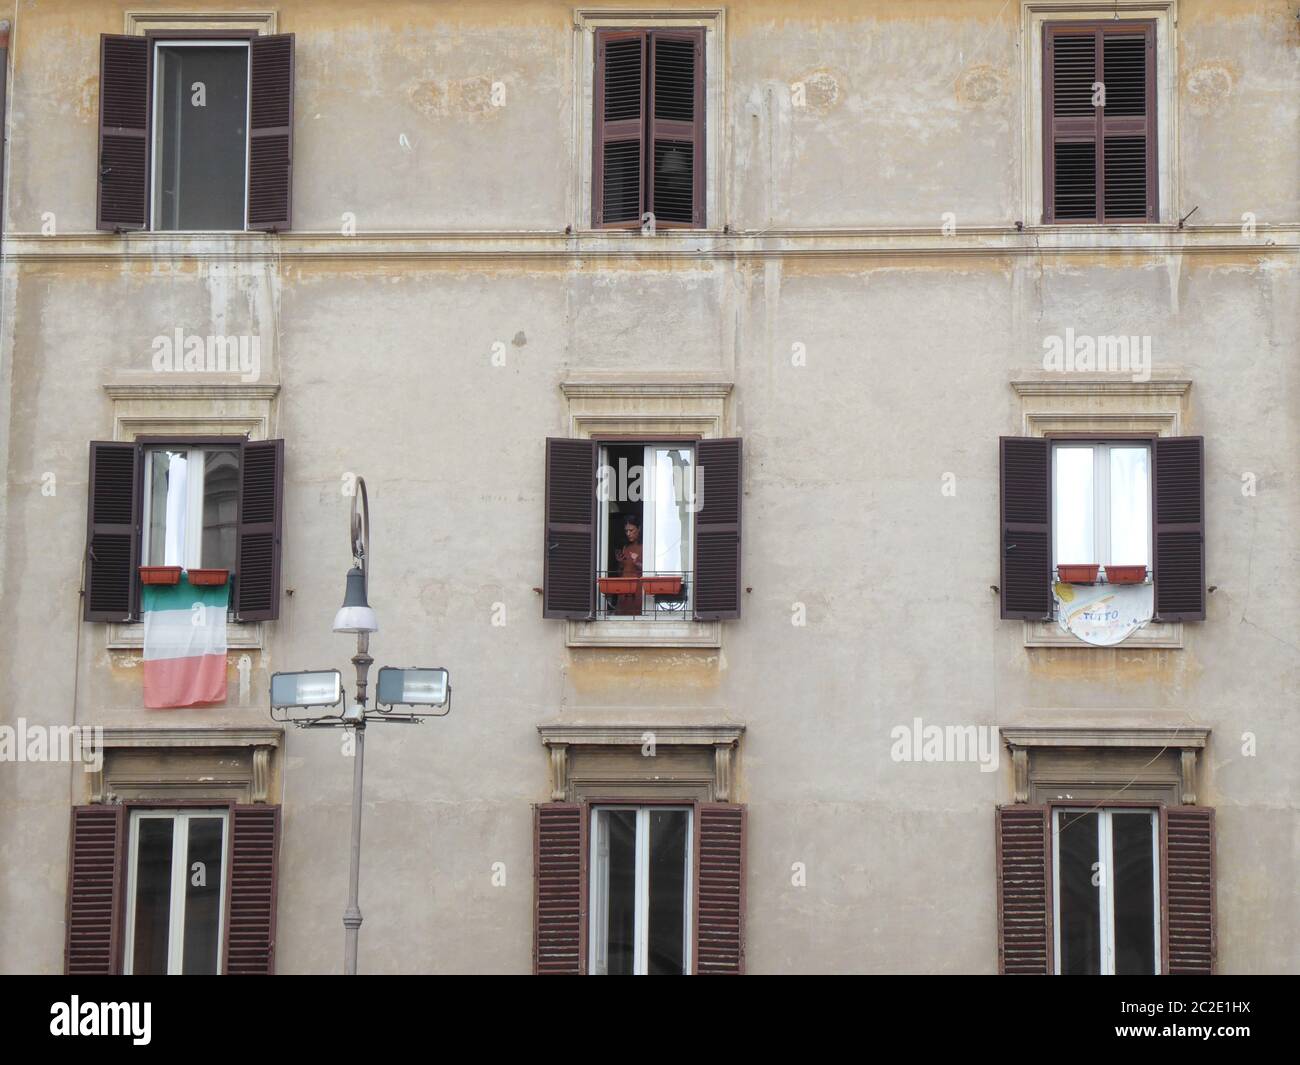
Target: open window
[(1101, 509)]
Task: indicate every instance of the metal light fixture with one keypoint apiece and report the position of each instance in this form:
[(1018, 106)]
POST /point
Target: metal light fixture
[(355, 614), (322, 687), (414, 687)]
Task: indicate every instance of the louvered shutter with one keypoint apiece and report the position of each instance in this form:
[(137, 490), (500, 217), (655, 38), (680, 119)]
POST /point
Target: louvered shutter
[(1024, 891), (261, 505), (249, 948), (559, 889), (676, 188), (1179, 528), (720, 889), (1025, 476), (112, 532), (618, 128), (1099, 162), (1188, 868), (122, 182), (569, 549), (719, 486), (93, 938), (270, 132)]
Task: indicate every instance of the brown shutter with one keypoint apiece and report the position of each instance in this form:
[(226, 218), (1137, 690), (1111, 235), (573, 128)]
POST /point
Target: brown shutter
[(720, 889), (1024, 891), (1099, 163), (112, 532), (123, 184), (618, 128), (676, 186), (249, 948), (1025, 475), (96, 849), (717, 529), (1189, 927), (569, 549), (261, 506), (559, 889), (270, 132), (1179, 528)]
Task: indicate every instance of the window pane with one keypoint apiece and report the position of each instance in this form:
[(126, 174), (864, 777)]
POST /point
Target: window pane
[(168, 507), (200, 136), (153, 889), (667, 945), (1130, 506), (203, 882), (672, 496), (220, 508), (1079, 916), (1135, 914), (1072, 517), (614, 910)]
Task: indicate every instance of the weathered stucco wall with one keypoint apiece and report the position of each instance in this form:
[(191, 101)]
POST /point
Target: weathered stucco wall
[(382, 347)]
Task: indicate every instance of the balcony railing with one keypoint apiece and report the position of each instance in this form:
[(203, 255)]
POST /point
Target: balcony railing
[(656, 595)]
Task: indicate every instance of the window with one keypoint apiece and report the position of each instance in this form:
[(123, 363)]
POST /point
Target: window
[(648, 127), (205, 502), (175, 892), (1107, 895), (640, 891), (1099, 122), (1101, 503), (196, 132)]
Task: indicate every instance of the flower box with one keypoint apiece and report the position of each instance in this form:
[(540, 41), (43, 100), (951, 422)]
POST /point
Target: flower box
[(1078, 574), (661, 585), (1126, 574), (618, 585), (209, 577), (160, 575)]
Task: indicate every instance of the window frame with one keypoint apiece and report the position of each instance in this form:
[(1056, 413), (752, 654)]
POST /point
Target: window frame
[(1101, 445), (194, 502), (1106, 890)]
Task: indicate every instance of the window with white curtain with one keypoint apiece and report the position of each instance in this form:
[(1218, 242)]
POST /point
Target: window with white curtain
[(1101, 503)]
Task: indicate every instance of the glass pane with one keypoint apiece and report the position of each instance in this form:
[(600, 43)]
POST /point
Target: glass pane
[(220, 508), (168, 507), (1130, 506), (203, 881), (200, 136), (1079, 916), (614, 909), (667, 941), (1135, 906), (153, 890), (673, 486), (1072, 517)]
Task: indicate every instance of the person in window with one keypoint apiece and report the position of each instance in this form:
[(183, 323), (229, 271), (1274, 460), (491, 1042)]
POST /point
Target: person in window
[(630, 558)]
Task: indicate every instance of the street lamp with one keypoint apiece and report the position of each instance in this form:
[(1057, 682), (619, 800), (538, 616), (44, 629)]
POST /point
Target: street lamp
[(303, 699)]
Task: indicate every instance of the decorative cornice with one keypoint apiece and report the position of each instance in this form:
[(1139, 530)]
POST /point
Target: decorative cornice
[(634, 735), (189, 389), (1080, 384), (1173, 737), (193, 737), (646, 385)]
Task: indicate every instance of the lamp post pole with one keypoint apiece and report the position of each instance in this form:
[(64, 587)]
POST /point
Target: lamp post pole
[(352, 915)]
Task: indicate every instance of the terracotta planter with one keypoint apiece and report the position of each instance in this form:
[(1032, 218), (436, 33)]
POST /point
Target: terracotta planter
[(209, 577), (1126, 574), (1078, 574), (661, 585), (618, 585), (160, 575)]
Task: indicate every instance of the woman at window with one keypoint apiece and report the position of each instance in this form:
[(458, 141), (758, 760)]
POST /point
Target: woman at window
[(630, 557)]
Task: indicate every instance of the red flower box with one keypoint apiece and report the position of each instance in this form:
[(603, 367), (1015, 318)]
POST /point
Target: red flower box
[(209, 577), (1126, 574), (661, 585), (1078, 574), (160, 575), (618, 585)]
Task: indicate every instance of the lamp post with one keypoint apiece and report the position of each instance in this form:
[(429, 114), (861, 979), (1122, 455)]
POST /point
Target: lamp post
[(319, 690)]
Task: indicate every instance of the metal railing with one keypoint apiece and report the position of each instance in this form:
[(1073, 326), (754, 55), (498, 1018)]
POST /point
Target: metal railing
[(656, 595)]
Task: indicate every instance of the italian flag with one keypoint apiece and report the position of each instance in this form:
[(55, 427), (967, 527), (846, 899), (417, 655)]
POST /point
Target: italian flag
[(184, 644)]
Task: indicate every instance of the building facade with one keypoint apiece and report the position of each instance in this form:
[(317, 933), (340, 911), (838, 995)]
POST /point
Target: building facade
[(735, 387)]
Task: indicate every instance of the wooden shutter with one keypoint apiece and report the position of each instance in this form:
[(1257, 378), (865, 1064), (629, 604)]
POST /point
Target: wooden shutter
[(1188, 879), (1179, 528), (569, 549), (559, 889), (112, 532), (249, 948), (261, 505), (719, 486), (1025, 476), (676, 71), (1099, 163), (96, 848), (720, 889), (1024, 891), (270, 132), (123, 178), (618, 128)]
